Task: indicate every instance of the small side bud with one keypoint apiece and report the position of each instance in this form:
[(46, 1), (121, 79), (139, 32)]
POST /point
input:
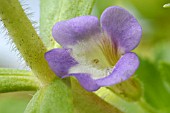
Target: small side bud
[(129, 90)]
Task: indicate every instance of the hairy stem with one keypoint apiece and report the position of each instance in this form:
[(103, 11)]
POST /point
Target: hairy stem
[(26, 39), (18, 83), (17, 80)]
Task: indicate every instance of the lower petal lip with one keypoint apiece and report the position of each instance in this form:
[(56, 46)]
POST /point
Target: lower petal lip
[(125, 67)]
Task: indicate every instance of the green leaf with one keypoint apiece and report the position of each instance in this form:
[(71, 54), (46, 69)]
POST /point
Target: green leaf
[(53, 11), (165, 75), (88, 102), (155, 93), (54, 98)]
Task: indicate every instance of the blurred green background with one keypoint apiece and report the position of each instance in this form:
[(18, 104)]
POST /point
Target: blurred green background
[(14, 102), (153, 50)]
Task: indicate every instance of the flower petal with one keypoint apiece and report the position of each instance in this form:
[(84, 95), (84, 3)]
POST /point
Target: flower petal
[(122, 27), (86, 81), (125, 67), (77, 29), (60, 61)]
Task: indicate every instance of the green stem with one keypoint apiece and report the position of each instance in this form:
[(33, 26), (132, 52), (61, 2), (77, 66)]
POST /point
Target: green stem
[(125, 106), (17, 80), (18, 83), (26, 39)]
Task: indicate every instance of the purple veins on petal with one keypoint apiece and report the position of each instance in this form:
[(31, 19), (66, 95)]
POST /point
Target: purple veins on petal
[(96, 53)]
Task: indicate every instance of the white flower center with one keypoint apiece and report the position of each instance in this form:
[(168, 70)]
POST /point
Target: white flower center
[(96, 56)]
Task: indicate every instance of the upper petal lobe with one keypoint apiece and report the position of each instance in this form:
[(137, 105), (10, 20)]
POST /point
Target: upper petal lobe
[(122, 27), (71, 31)]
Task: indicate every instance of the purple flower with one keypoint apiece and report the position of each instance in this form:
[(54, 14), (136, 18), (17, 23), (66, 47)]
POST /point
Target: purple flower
[(96, 53)]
